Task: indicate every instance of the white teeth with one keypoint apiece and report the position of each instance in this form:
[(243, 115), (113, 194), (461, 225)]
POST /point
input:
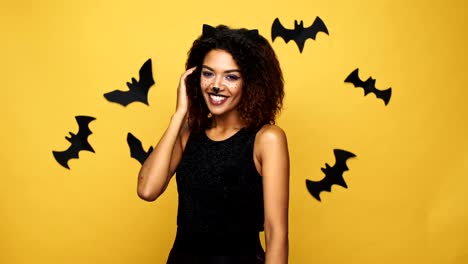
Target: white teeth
[(217, 98)]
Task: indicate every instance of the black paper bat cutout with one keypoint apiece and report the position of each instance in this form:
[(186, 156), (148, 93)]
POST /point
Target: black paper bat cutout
[(136, 149), (369, 86), (333, 175), (138, 90), (78, 142), (299, 34)]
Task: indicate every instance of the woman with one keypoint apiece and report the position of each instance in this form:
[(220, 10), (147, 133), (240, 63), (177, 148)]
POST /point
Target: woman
[(230, 159)]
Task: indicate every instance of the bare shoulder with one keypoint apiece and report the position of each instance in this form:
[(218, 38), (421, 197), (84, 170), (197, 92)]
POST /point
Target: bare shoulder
[(270, 140), (270, 134)]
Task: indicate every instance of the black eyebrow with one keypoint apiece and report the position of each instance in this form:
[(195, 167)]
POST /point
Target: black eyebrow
[(227, 71)]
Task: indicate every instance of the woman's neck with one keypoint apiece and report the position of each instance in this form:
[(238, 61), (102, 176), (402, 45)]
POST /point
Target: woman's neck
[(226, 123)]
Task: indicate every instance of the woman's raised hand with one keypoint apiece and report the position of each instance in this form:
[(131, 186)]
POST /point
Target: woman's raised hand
[(182, 99)]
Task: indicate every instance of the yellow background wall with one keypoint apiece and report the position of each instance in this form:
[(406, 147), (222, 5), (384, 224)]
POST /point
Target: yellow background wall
[(406, 201)]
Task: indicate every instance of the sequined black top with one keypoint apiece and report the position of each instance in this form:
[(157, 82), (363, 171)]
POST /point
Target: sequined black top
[(219, 187)]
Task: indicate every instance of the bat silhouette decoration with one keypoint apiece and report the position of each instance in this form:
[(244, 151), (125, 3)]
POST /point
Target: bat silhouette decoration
[(78, 142), (138, 90), (136, 148), (333, 175), (369, 86), (299, 34)]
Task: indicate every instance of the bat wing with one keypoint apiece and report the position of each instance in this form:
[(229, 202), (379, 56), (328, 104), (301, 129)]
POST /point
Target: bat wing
[(333, 175), (277, 30), (369, 86), (121, 97), (78, 142), (62, 157), (341, 156), (353, 78), (136, 148), (316, 187), (146, 78), (311, 32), (138, 90), (385, 95)]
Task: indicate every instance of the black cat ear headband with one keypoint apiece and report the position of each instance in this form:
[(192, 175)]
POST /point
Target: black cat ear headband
[(209, 31)]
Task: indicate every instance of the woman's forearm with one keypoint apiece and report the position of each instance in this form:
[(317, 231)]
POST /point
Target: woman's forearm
[(155, 172), (277, 248)]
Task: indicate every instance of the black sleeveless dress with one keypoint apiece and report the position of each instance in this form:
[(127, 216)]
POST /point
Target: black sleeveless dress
[(220, 212)]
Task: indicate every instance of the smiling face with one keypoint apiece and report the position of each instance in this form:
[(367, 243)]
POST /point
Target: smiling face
[(221, 83)]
